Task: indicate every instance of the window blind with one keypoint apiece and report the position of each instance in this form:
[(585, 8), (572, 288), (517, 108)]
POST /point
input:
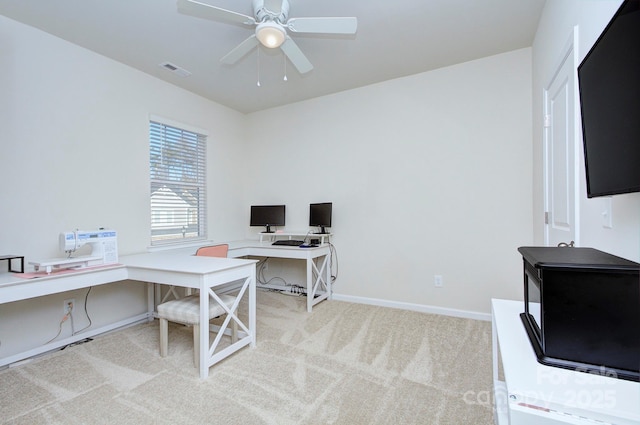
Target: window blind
[(178, 189)]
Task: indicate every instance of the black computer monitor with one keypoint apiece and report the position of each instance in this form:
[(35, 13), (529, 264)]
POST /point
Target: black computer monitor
[(267, 215), (320, 216)]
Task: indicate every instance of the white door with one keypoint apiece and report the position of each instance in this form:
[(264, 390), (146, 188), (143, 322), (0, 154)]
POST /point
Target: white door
[(560, 140)]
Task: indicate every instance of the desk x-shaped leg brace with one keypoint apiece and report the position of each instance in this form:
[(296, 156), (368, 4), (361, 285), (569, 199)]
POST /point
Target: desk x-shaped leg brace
[(245, 335), (320, 289)]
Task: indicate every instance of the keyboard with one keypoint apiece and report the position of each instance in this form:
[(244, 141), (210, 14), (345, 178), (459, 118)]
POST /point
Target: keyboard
[(288, 242)]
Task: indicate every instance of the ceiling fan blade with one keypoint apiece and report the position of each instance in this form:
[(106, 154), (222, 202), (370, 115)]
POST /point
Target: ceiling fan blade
[(295, 55), (240, 50), (206, 11), (323, 25)]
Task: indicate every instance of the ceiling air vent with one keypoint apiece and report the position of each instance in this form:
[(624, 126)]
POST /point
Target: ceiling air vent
[(175, 69)]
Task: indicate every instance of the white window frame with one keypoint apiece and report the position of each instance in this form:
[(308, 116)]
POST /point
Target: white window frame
[(178, 191)]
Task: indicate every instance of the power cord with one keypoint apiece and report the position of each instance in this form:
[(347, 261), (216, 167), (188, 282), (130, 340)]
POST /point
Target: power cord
[(260, 271), (333, 253), (86, 312), (82, 341), (69, 316), (261, 279), (64, 319)]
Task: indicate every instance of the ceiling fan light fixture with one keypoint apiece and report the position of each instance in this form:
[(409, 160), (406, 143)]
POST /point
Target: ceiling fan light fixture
[(270, 34)]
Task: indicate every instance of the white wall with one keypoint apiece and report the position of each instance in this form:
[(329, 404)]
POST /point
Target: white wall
[(556, 27), (74, 154), (428, 174)]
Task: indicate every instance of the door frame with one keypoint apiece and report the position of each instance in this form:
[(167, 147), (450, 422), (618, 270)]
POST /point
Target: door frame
[(569, 52)]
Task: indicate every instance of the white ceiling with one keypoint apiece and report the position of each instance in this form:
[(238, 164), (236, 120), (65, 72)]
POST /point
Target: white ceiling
[(395, 38)]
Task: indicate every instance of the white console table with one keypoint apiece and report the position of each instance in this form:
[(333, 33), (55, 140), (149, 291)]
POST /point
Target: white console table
[(535, 394)]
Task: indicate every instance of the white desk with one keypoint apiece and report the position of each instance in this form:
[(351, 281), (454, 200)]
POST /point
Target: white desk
[(204, 274), (317, 261), (13, 288), (175, 268), (535, 394)]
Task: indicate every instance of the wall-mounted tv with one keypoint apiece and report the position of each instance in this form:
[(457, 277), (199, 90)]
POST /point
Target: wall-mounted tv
[(609, 80), (267, 216)]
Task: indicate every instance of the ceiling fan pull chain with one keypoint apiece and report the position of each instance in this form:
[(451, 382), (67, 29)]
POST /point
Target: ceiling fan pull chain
[(258, 65), (285, 67)]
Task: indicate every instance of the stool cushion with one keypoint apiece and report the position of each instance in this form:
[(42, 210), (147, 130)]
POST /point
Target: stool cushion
[(187, 310)]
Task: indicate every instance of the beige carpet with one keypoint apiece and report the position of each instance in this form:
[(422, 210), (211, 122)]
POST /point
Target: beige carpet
[(342, 364)]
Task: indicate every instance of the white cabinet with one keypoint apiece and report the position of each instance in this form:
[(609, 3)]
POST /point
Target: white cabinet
[(530, 393)]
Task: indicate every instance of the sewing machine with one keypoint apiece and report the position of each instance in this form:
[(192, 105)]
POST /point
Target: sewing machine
[(104, 250)]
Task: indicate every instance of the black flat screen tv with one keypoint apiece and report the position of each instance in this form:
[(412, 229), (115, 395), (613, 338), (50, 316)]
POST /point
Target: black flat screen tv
[(320, 216), (609, 81), (267, 216)]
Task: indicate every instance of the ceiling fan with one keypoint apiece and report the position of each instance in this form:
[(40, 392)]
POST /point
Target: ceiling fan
[(270, 29)]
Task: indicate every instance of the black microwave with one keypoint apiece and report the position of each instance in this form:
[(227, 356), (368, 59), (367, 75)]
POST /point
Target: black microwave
[(582, 310)]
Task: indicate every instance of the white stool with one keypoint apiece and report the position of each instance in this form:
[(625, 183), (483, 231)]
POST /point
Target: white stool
[(187, 311)]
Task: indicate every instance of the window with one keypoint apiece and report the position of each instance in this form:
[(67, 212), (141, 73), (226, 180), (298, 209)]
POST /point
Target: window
[(177, 169)]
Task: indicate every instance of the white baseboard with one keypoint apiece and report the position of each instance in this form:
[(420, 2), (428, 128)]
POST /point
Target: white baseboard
[(23, 357), (415, 307)]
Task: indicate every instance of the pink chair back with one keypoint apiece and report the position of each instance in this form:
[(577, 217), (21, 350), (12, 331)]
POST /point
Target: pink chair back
[(214, 250)]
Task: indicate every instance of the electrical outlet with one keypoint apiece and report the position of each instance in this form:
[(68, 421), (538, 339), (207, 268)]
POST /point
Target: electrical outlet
[(437, 281), (69, 305)]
